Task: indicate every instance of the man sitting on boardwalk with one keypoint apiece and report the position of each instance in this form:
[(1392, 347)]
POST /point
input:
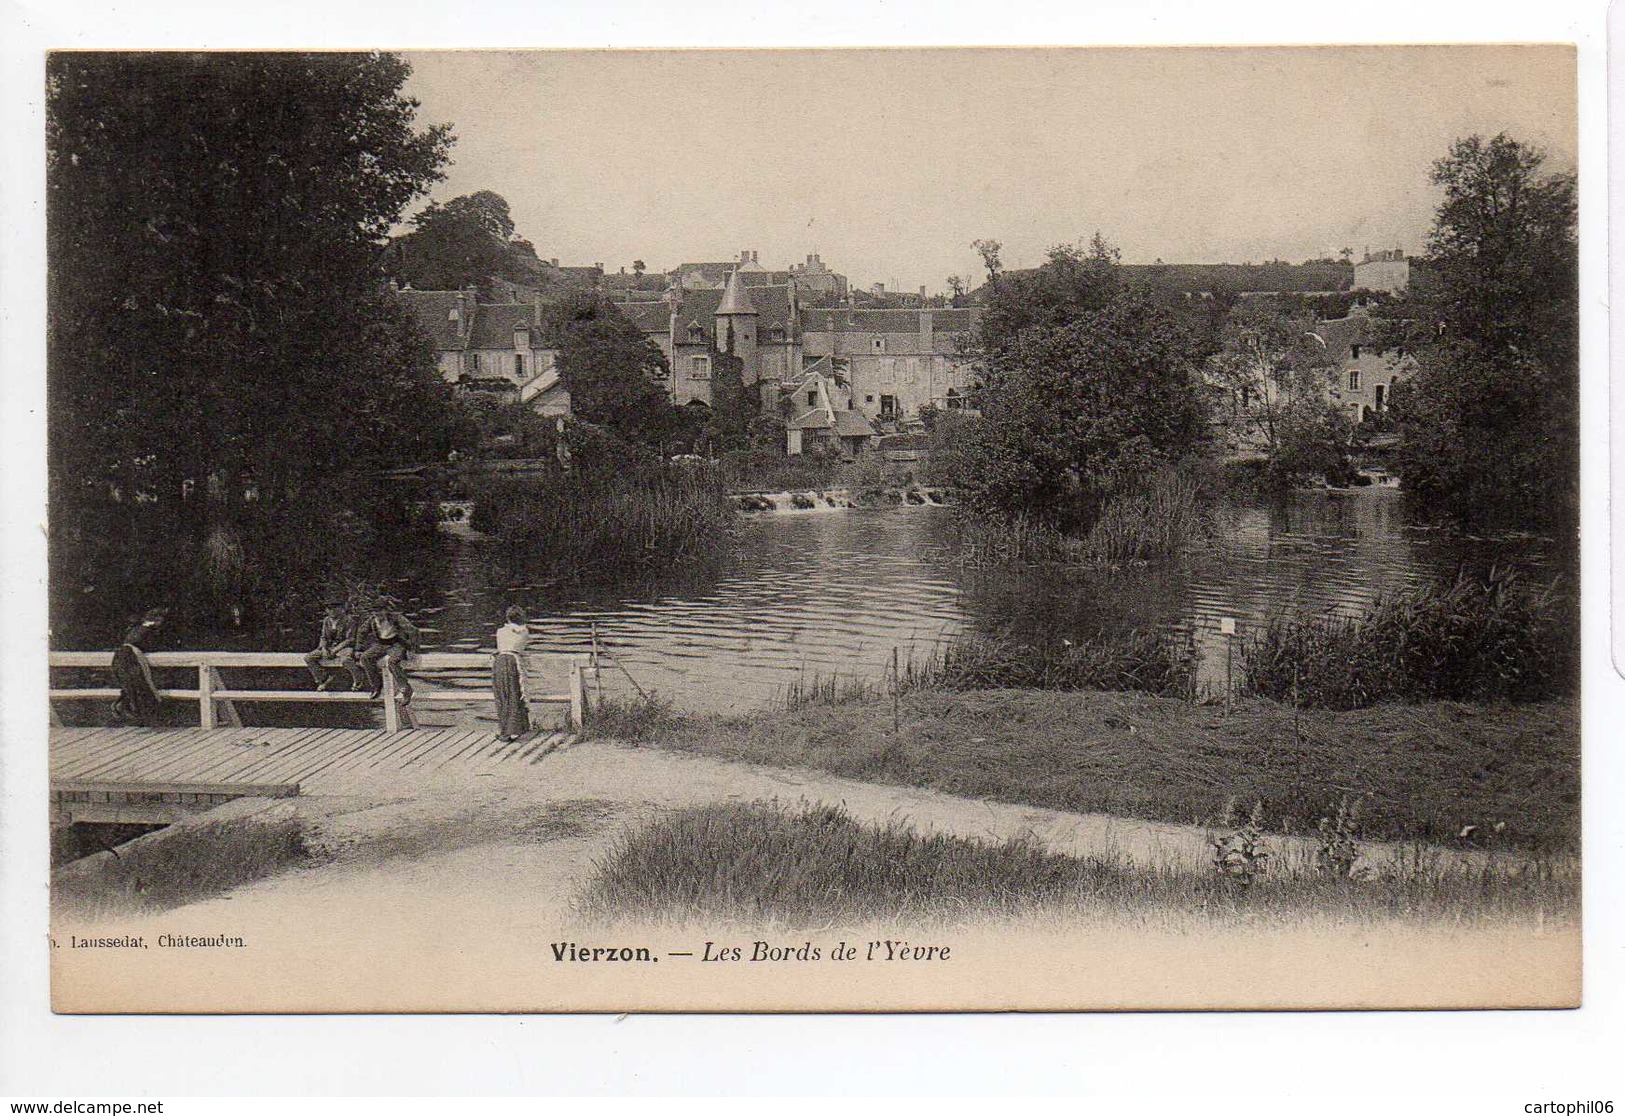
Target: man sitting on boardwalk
[(337, 641), (391, 638)]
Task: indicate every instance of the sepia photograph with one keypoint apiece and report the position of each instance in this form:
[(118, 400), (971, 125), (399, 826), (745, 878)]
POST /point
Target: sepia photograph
[(838, 530)]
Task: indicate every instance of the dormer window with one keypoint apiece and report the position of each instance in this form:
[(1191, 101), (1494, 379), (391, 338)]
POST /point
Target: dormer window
[(696, 335), (879, 344), (1354, 351)]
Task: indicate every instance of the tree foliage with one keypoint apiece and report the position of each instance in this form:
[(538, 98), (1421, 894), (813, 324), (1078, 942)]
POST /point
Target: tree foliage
[(218, 324), (616, 377), (467, 242), (1267, 366), (1489, 424), (1088, 384)]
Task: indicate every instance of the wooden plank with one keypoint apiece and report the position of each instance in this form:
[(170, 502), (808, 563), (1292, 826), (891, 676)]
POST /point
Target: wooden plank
[(118, 751), (108, 693), (554, 740), (312, 762), (354, 754), (234, 752), (191, 750), (419, 744), (451, 740), (465, 747), (100, 741), (141, 786), (288, 747), (227, 708), (295, 660)]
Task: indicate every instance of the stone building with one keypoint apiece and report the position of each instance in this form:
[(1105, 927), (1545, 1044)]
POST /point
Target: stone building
[(1388, 271), (1362, 379), (897, 360), (497, 347)]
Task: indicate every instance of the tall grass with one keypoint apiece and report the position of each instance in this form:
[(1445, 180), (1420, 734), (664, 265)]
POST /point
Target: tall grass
[(1153, 662), (1156, 520), (762, 864), (1490, 639), (598, 523)]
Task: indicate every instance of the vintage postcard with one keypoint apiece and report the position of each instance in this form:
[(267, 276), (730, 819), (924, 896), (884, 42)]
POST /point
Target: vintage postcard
[(814, 530)]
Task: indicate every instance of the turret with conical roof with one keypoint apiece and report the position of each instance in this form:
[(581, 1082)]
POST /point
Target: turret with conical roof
[(736, 327), (735, 298)]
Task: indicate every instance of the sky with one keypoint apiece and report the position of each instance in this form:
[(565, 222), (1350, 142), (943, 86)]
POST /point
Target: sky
[(888, 163)]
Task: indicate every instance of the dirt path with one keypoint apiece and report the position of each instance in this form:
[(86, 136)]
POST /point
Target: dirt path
[(418, 845)]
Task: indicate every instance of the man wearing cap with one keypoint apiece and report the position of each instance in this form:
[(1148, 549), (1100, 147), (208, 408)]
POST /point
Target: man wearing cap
[(337, 641), (391, 638)]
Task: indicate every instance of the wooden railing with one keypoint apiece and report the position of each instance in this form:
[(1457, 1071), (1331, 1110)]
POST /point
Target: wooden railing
[(216, 700)]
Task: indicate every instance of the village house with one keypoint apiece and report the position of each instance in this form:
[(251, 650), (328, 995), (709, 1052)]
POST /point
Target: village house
[(497, 347), (1387, 271), (822, 413), (1363, 377), (897, 360)]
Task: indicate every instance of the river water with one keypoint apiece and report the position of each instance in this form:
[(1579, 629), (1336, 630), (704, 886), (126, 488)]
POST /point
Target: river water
[(833, 593)]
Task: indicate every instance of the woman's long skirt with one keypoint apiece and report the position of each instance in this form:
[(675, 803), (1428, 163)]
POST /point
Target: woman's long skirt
[(138, 697), (513, 716)]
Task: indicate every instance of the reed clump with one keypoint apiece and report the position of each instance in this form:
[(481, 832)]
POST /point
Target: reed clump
[(601, 523), (1155, 520), (1483, 640), (1152, 662)]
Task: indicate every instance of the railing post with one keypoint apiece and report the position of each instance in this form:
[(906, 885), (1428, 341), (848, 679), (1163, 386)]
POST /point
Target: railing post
[(577, 698), (205, 695), (227, 707), (392, 712)]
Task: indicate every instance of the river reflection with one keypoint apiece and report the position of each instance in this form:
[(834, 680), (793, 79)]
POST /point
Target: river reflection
[(834, 592)]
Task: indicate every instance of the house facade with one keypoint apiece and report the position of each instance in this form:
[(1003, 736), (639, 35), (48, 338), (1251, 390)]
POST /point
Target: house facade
[(497, 347), (897, 361), (1361, 373)]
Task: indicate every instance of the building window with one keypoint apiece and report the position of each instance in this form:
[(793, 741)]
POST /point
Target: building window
[(888, 406), (911, 369), (1355, 351), (868, 399), (878, 344), (519, 365), (812, 397), (1381, 400), (699, 368), (1354, 379), (695, 335)]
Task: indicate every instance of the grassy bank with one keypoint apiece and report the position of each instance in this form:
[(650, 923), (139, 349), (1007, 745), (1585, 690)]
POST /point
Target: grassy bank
[(1419, 772), (599, 524), (183, 865), (761, 864)]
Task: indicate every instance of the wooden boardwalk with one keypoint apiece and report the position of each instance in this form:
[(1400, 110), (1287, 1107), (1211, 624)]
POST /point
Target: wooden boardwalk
[(137, 774)]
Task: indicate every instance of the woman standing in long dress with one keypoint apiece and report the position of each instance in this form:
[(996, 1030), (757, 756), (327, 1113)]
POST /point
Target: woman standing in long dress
[(508, 677)]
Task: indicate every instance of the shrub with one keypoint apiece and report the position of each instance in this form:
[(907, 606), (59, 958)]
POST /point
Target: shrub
[(1478, 640)]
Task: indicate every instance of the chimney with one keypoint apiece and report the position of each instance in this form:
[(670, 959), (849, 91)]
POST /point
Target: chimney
[(926, 328), (554, 262)]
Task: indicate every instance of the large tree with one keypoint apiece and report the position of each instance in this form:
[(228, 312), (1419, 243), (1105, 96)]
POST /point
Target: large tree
[(616, 377), (218, 326), (1489, 423), (467, 242), (1088, 384)]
